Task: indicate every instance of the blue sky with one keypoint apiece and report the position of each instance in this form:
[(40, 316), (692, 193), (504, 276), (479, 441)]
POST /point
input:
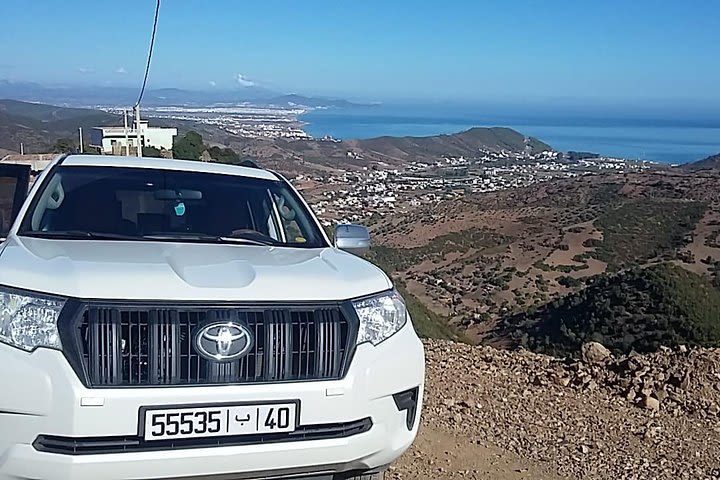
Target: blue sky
[(639, 50)]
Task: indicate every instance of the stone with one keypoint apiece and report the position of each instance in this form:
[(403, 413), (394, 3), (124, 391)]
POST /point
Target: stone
[(650, 403), (585, 430), (594, 353), (562, 381), (631, 394)]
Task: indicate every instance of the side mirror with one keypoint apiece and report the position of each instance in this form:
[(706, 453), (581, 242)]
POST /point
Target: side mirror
[(352, 238)]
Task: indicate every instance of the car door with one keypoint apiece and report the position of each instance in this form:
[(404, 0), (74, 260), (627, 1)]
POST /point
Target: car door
[(14, 184)]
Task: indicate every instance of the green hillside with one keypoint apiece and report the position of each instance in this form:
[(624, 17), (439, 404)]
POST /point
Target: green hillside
[(38, 126), (639, 230), (640, 309), (427, 323)]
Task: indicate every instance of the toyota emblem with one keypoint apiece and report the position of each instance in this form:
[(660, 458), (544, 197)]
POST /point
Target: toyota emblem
[(223, 341)]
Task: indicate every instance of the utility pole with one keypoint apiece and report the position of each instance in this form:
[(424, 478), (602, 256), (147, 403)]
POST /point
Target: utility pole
[(127, 140), (137, 125), (81, 141)]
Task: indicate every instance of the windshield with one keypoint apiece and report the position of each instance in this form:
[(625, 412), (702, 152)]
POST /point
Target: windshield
[(77, 202)]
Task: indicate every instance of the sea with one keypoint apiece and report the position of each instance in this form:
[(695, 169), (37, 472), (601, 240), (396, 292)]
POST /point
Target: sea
[(670, 138)]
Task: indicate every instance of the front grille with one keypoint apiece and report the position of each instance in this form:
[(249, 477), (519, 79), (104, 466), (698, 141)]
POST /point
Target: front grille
[(126, 444), (154, 346)]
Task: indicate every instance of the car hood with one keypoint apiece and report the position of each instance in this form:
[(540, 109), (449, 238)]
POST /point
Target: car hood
[(139, 270)]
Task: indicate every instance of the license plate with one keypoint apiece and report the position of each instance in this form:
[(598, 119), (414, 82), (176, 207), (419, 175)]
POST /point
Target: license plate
[(221, 420)]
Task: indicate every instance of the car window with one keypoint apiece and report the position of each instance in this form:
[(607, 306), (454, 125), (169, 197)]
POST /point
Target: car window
[(140, 203)]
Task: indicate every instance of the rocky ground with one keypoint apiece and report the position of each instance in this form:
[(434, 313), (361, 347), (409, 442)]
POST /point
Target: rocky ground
[(494, 414)]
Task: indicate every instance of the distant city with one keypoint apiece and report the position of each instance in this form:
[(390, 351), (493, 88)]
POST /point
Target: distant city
[(356, 195), (248, 120)]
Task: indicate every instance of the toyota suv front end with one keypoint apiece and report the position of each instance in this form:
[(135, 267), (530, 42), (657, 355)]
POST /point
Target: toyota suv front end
[(170, 319)]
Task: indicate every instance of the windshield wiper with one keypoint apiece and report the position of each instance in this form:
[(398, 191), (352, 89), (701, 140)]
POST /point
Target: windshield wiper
[(250, 236), (180, 236), (174, 236), (78, 235), (198, 237), (246, 241)]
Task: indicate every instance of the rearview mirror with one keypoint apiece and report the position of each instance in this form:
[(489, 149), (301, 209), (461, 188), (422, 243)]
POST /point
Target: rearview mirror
[(168, 194), (352, 238)]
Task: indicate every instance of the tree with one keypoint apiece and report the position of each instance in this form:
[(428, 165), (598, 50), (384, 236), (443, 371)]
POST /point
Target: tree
[(65, 145), (224, 155), (88, 150), (188, 147), (151, 152)]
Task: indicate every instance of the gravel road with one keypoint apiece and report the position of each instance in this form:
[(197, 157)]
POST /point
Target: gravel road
[(495, 414)]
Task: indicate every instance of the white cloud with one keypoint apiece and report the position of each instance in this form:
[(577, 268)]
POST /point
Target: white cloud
[(86, 70), (244, 81), (121, 70), (212, 83)]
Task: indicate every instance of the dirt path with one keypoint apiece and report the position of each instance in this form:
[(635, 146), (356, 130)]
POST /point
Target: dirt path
[(441, 455)]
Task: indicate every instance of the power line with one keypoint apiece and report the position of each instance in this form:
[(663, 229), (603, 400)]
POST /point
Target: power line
[(150, 52)]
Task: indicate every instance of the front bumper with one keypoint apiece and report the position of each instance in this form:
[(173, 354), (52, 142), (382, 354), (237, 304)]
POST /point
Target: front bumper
[(42, 397)]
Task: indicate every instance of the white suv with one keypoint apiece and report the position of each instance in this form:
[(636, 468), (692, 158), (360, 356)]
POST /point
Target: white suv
[(173, 319)]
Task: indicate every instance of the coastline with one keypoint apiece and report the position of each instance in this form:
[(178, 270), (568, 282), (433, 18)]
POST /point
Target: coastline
[(658, 141)]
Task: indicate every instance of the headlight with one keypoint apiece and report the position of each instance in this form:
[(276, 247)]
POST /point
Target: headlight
[(28, 321), (380, 317)]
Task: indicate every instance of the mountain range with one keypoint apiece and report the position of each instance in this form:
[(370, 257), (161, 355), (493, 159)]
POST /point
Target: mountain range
[(83, 96)]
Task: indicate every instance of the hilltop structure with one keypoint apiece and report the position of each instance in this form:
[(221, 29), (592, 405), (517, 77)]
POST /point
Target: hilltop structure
[(123, 141)]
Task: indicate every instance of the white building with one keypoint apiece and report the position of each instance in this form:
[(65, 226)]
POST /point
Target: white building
[(113, 140)]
